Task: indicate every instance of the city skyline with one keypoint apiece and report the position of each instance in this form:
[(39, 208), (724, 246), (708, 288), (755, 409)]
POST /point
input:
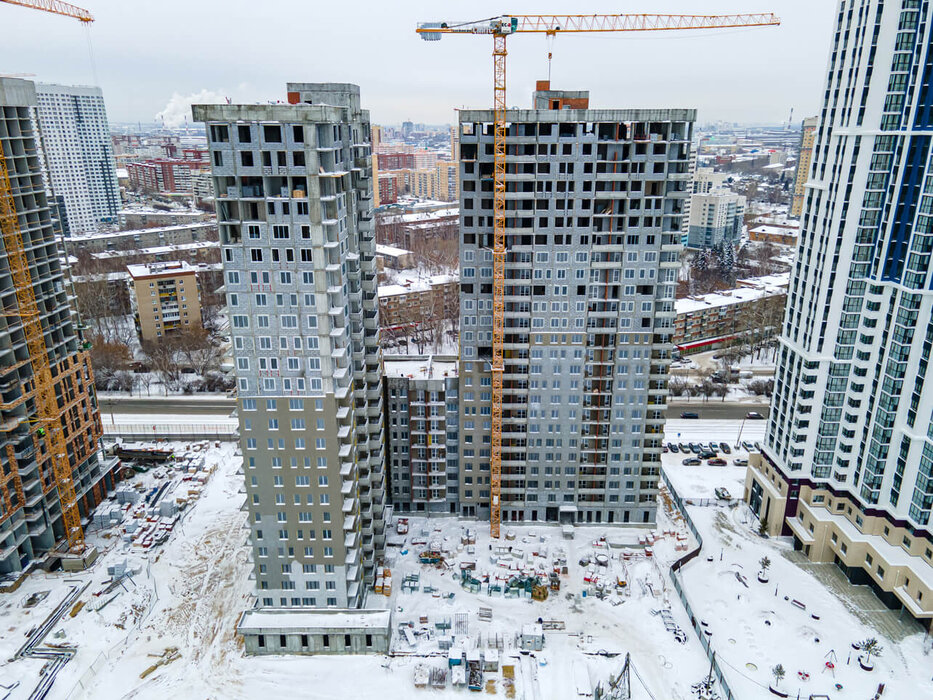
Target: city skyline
[(773, 78)]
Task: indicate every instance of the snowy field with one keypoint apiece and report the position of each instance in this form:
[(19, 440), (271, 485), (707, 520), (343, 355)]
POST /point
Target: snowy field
[(806, 617)]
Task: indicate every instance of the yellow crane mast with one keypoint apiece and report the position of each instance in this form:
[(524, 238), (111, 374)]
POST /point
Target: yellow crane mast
[(48, 413), (500, 28), (56, 8)]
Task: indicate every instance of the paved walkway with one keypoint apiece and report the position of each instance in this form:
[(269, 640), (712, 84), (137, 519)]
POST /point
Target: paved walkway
[(861, 600)]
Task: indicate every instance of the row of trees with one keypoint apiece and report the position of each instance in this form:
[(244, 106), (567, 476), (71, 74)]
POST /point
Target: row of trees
[(707, 387), (188, 352)]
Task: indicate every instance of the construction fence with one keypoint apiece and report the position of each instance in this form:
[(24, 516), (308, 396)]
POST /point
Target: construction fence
[(678, 586), (171, 431)]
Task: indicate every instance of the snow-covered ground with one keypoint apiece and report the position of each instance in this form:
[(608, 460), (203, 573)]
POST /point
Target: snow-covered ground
[(178, 613), (805, 617), (622, 621)]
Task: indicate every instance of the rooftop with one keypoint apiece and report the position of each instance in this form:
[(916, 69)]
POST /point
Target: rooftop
[(420, 366), (748, 290), (260, 619), (409, 281), (160, 269)]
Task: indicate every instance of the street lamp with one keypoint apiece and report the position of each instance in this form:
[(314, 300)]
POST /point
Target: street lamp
[(738, 440)]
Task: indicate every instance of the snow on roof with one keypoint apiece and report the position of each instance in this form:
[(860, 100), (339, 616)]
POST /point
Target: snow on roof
[(211, 223), (420, 217), (264, 619), (391, 250), (749, 290), (410, 281), (420, 366), (772, 229), (168, 268), (154, 250)]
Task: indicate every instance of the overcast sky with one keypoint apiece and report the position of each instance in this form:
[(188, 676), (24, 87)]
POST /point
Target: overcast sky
[(153, 57)]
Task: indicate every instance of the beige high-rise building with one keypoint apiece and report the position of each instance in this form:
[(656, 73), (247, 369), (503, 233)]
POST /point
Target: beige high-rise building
[(422, 182), (447, 183), (165, 296), (807, 139)]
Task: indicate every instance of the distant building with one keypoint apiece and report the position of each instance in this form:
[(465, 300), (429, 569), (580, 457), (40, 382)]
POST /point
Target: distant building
[(705, 180), (715, 216), (164, 175), (754, 308), (771, 233), (143, 217), (416, 229), (388, 256), (82, 171), (422, 421), (414, 300), (454, 144), (134, 239), (807, 139), (447, 181), (387, 188), (165, 298), (421, 183)]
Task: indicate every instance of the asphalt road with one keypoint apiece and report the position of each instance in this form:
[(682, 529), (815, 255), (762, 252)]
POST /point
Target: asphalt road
[(168, 405), (715, 409)]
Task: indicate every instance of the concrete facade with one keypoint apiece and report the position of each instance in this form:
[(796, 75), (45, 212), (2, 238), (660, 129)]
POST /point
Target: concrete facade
[(594, 206), (422, 414), (294, 207), (30, 510), (315, 632), (82, 171)]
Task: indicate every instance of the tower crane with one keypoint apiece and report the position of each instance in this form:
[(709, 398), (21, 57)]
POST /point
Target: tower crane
[(48, 413), (55, 7), (500, 28)]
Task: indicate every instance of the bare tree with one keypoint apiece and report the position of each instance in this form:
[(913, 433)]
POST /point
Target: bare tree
[(163, 355)]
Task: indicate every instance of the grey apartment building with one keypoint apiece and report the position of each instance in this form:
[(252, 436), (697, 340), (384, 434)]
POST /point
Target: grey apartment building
[(594, 204), (295, 217), (30, 507), (422, 423)]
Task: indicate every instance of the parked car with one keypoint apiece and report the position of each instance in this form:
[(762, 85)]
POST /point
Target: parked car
[(723, 493), (695, 448), (689, 414), (708, 455), (691, 462), (739, 462), (724, 446), (754, 415), (672, 446), (748, 446), (664, 449), (684, 447), (717, 462)]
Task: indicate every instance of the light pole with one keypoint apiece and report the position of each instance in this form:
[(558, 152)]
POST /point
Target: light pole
[(738, 440)]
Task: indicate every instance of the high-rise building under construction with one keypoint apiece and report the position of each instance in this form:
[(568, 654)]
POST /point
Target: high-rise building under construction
[(594, 202), (295, 215), (31, 522)]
